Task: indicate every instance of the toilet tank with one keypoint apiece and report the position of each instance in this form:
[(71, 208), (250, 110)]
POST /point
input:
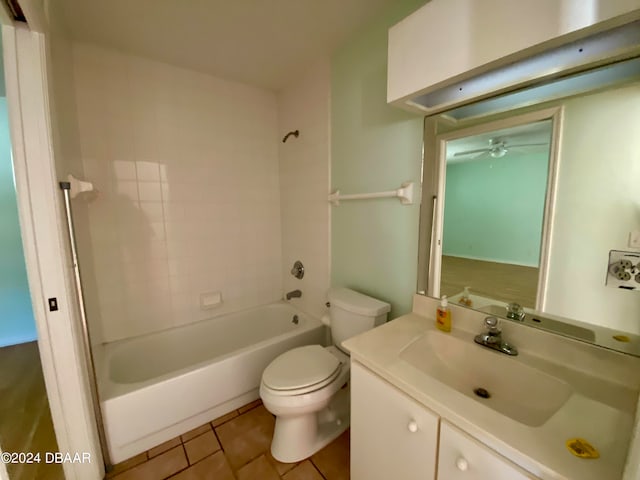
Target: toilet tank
[(353, 313)]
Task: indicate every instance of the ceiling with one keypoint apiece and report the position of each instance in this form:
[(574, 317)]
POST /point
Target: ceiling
[(266, 43), (530, 133)]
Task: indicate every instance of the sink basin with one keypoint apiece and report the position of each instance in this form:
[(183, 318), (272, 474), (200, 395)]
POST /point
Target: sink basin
[(522, 393)]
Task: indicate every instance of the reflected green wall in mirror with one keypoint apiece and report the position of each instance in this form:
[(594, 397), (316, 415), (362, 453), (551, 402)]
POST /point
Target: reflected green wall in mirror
[(494, 208)]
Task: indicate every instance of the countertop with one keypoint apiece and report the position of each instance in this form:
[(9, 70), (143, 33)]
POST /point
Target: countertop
[(605, 419)]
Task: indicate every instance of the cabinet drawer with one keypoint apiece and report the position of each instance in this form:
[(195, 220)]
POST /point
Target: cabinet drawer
[(464, 458), (392, 436)]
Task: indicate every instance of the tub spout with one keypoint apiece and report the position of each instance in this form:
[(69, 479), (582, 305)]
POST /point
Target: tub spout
[(294, 294)]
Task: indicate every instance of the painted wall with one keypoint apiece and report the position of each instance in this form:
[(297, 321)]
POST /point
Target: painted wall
[(17, 324), (304, 185), (187, 169), (494, 208), (374, 147), (598, 204)]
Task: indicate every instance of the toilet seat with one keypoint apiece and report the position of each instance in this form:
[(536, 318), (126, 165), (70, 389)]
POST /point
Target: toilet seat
[(301, 370)]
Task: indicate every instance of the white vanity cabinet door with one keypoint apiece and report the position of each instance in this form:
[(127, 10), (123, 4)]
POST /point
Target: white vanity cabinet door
[(464, 458), (392, 436)]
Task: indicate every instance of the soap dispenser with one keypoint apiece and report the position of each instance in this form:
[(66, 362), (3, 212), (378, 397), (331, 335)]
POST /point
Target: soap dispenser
[(466, 298), (443, 315)]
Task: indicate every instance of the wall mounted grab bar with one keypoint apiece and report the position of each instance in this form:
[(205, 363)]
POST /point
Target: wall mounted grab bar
[(404, 193)]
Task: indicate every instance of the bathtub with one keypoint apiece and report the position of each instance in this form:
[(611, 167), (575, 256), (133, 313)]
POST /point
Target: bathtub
[(158, 386)]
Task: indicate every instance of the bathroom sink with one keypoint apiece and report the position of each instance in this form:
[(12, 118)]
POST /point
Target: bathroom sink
[(522, 393)]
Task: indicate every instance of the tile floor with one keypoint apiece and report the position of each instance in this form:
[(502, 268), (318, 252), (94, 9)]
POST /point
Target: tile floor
[(233, 447)]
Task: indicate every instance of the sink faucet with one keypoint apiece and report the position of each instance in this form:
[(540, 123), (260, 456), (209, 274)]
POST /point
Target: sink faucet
[(492, 338), (294, 294), (515, 312)]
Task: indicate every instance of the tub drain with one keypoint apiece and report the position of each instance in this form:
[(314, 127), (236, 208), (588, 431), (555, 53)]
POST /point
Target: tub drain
[(481, 392)]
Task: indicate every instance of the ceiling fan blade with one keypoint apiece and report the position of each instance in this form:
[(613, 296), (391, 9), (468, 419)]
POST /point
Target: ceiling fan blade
[(481, 156), (519, 145), (469, 152)]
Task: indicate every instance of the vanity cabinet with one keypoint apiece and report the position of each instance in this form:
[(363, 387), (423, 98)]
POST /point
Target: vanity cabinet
[(393, 436), (464, 458)]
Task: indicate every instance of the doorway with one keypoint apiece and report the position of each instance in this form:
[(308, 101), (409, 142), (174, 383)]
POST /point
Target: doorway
[(25, 417), (491, 218)]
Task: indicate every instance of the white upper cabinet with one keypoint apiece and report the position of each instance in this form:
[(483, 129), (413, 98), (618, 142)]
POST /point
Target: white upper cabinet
[(446, 40)]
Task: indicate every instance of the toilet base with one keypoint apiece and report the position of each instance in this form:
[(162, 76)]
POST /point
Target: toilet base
[(298, 437)]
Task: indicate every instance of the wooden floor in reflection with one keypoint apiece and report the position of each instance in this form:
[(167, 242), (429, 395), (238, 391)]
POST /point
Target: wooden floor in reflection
[(25, 418), (502, 281)]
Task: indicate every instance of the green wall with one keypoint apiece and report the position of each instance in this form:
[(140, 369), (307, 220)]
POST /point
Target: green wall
[(494, 208), (374, 147), (17, 324)]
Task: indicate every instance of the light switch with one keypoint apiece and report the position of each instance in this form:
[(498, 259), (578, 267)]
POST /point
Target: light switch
[(634, 239)]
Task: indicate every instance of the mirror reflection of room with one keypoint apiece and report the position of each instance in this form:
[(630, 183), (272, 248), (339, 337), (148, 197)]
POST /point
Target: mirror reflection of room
[(553, 263), (495, 188)]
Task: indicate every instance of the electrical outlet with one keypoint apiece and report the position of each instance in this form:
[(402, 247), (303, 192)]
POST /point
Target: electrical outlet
[(624, 270), (634, 239)]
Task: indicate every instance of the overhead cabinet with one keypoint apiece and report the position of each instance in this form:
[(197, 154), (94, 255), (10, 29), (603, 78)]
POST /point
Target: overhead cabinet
[(434, 52)]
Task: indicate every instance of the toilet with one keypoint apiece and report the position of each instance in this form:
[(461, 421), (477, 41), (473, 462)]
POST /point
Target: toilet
[(307, 387)]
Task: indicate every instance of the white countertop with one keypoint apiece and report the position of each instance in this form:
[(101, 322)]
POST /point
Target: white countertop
[(600, 409)]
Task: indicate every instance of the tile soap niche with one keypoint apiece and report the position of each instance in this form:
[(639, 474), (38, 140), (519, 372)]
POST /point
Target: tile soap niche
[(624, 270)]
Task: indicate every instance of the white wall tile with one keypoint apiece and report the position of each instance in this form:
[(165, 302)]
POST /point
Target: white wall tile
[(304, 180), (187, 165)]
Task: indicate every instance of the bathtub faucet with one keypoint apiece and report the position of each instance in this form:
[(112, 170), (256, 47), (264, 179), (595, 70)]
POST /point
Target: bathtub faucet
[(294, 294)]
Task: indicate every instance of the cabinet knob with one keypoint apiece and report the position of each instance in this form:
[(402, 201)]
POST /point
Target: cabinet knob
[(462, 464), (413, 426)]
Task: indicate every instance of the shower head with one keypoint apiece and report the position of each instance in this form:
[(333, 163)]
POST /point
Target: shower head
[(295, 133)]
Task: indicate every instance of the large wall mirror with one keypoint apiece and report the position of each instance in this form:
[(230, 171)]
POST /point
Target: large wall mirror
[(522, 207)]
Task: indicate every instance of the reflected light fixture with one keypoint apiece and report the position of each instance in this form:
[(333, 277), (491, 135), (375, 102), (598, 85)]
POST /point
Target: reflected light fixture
[(498, 148)]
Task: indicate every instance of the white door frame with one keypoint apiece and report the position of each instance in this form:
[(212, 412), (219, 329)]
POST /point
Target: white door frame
[(555, 114), (47, 259)]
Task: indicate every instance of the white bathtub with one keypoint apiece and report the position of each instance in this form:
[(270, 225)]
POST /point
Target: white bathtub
[(156, 387)]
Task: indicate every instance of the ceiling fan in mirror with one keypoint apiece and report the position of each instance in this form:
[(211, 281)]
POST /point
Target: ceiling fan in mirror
[(497, 148)]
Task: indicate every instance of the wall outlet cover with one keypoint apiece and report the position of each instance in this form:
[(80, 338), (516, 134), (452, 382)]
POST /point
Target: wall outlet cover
[(623, 270), (634, 239)]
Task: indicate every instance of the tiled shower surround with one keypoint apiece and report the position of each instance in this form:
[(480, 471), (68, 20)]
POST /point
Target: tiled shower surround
[(187, 170)]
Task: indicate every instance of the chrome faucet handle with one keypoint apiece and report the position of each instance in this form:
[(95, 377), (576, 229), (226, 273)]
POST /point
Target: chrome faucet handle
[(493, 338), (515, 311), (492, 325), (298, 270)]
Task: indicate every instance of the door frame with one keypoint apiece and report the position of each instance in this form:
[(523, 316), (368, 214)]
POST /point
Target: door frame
[(49, 267), (555, 114)]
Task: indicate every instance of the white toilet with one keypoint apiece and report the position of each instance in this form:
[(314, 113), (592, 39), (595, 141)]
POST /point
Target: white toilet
[(307, 388)]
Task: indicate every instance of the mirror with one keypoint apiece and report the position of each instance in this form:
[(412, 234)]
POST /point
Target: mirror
[(491, 222), (524, 207)]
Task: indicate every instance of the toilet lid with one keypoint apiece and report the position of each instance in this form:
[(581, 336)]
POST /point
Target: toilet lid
[(301, 367)]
